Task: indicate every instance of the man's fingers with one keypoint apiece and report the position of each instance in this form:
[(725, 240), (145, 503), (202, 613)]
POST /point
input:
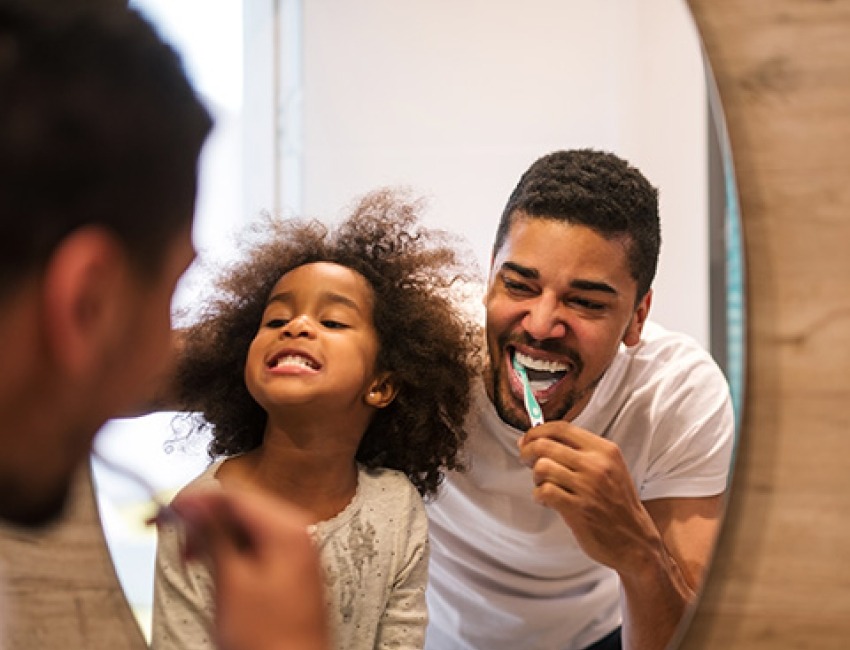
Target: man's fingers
[(545, 447), (216, 521), (560, 431)]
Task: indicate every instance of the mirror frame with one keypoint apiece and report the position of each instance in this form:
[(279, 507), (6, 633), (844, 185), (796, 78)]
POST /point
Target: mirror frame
[(778, 580)]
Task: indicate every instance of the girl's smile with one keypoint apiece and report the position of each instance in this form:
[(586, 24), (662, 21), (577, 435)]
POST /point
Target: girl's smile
[(316, 343), (293, 362)]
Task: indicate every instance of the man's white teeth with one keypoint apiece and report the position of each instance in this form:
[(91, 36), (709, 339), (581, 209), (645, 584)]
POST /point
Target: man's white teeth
[(293, 360), (538, 386), (540, 364)]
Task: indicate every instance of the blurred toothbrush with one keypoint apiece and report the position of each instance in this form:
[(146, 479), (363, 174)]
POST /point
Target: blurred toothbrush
[(164, 512), (535, 414)]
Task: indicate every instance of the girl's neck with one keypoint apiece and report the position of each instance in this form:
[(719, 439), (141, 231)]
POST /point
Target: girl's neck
[(320, 480)]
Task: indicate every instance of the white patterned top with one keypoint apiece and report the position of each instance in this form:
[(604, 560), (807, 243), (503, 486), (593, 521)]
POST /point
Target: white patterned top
[(374, 554)]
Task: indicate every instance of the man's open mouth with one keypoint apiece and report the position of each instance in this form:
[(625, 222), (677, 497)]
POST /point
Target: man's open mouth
[(543, 374)]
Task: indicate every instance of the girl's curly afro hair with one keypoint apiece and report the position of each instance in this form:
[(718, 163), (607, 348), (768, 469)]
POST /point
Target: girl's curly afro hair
[(425, 338)]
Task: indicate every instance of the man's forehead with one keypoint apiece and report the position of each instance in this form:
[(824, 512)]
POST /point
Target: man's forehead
[(538, 247)]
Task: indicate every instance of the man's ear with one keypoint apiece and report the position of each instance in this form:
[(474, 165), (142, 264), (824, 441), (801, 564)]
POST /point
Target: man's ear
[(635, 326), (84, 292), (382, 391)]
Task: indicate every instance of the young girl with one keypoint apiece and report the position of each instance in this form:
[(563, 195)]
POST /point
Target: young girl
[(332, 368)]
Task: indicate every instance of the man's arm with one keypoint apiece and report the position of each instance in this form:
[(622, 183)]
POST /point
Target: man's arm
[(688, 529), (659, 550)]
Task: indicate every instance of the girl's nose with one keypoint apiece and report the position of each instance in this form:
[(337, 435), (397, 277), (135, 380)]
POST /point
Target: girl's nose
[(543, 319), (300, 326)]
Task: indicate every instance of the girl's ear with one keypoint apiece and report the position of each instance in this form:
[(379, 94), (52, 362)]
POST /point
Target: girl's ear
[(382, 391)]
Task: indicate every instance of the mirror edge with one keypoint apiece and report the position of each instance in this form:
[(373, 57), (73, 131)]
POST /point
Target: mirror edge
[(774, 584)]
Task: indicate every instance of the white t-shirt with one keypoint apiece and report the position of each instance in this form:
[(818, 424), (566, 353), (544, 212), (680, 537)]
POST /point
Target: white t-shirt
[(507, 573)]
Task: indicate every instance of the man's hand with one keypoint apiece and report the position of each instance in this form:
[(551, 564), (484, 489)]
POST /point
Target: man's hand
[(659, 549), (584, 478), (269, 587)]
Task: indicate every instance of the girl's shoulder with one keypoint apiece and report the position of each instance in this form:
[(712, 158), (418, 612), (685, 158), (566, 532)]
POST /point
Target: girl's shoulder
[(383, 484), (206, 479), (383, 476)]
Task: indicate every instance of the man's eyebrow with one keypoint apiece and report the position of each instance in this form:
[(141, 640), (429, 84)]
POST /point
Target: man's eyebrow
[(524, 271), (328, 296), (592, 285)]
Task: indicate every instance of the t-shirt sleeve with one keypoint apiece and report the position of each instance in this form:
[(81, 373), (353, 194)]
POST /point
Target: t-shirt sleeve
[(693, 441)]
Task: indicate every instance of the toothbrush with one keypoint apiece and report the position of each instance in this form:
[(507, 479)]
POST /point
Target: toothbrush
[(164, 512), (531, 405)]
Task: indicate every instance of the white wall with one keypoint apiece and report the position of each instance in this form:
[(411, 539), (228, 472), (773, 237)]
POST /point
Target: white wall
[(455, 99)]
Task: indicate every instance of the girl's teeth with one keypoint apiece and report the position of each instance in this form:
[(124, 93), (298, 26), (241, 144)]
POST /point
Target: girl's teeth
[(293, 361)]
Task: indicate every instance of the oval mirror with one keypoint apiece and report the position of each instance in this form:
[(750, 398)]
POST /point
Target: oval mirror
[(317, 103)]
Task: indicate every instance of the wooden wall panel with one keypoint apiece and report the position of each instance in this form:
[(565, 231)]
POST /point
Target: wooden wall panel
[(780, 579)]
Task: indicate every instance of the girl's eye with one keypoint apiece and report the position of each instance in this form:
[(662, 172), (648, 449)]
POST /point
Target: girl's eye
[(334, 324), (275, 323)]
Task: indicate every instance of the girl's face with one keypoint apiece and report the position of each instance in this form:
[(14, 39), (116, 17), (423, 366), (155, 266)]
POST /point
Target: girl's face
[(317, 345)]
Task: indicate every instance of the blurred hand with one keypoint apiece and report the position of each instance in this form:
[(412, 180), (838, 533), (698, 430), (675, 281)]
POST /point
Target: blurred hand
[(269, 586)]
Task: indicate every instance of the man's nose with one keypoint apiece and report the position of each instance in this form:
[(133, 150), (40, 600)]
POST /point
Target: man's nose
[(544, 319)]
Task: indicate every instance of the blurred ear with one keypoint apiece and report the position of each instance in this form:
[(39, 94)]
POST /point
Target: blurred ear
[(382, 391), (635, 326), (86, 290)]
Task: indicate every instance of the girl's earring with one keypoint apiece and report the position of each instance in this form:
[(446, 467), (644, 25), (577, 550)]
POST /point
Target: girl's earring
[(373, 398)]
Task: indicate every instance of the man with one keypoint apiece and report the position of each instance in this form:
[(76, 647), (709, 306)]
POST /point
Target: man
[(100, 134), (599, 523)]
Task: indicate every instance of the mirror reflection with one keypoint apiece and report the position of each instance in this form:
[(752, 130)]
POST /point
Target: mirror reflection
[(330, 102)]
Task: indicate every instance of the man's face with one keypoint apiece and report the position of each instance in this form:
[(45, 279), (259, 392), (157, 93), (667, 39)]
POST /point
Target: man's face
[(561, 299), (128, 361), (144, 351)]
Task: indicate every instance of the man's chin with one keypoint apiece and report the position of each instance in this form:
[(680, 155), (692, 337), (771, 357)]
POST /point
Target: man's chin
[(27, 513), (509, 417), (509, 413)]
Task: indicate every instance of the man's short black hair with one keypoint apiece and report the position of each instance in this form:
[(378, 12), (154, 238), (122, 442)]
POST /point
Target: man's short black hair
[(594, 189), (98, 125)]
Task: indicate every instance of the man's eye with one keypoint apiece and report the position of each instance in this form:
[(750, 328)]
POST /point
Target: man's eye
[(591, 305), (516, 287)]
